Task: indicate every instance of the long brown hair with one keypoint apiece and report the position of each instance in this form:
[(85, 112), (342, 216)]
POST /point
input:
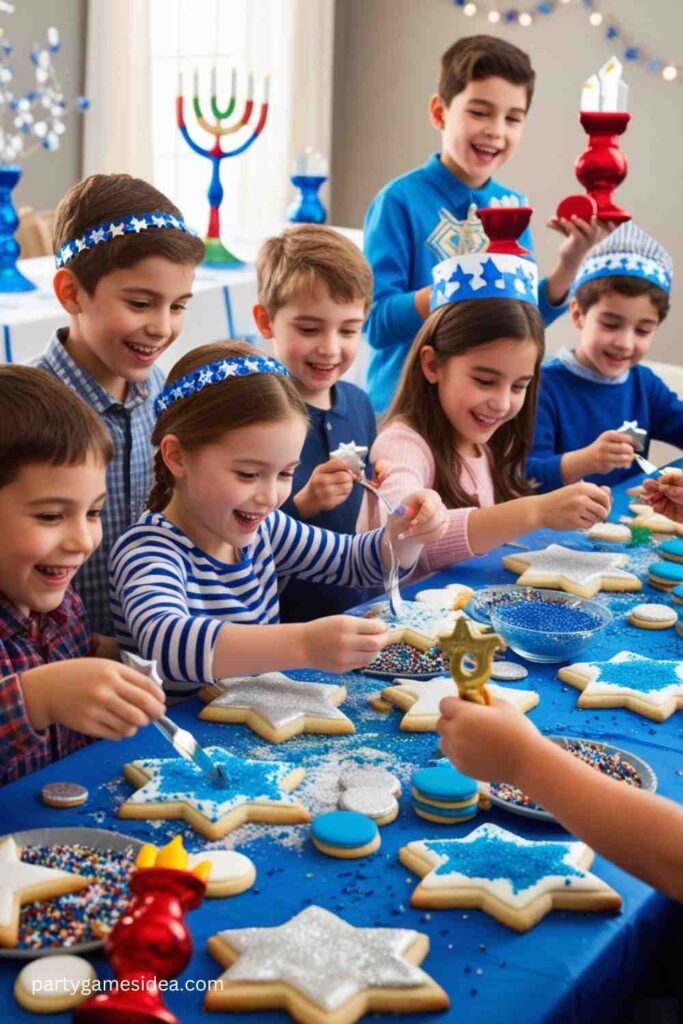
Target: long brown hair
[(201, 418), (453, 330)]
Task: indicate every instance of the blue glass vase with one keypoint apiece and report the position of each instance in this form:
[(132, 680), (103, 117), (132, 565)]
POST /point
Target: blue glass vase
[(307, 208), (11, 279)]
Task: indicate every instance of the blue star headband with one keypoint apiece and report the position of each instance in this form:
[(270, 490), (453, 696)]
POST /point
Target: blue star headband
[(215, 373), (628, 252), (131, 224)]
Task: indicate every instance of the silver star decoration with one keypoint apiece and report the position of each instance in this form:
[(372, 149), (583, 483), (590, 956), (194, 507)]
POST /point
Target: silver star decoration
[(205, 377), (117, 229), (97, 236), (139, 224), (351, 454), (279, 702), (326, 960), (580, 572), (636, 433)]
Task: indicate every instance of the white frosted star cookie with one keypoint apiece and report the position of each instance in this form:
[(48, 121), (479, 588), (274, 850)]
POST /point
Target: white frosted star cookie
[(277, 707), (650, 687), (171, 787), (645, 515), (420, 700), (27, 883), (322, 970), (418, 625), (582, 573), (517, 881)]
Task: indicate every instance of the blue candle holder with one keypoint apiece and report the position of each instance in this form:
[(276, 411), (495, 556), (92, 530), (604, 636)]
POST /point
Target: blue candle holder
[(307, 207), (11, 278)]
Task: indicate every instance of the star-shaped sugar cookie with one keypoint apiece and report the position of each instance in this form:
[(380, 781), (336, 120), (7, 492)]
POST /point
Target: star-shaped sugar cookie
[(517, 881), (323, 970), (637, 435), (582, 573), (352, 455), (649, 686), (645, 515), (277, 707), (420, 700), (171, 787), (419, 624), (26, 883)]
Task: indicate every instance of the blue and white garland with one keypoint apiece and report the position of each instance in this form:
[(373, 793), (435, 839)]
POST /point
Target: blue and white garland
[(131, 224), (215, 373)]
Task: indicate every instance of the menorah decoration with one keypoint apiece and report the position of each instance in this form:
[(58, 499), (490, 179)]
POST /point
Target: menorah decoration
[(28, 122), (216, 253)]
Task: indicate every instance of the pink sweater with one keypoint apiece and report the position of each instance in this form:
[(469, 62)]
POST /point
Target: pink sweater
[(412, 469)]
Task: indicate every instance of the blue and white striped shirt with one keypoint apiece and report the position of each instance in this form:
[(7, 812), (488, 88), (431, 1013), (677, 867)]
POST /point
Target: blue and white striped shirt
[(129, 474), (170, 599)]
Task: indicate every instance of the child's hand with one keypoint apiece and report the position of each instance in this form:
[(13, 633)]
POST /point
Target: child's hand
[(329, 485), (576, 507), (610, 450), (665, 498), (580, 236), (426, 520), (343, 643), (94, 696), (487, 743), (382, 470)]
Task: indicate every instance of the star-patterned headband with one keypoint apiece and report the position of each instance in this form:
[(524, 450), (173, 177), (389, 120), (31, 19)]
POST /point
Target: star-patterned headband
[(131, 224), (215, 373)]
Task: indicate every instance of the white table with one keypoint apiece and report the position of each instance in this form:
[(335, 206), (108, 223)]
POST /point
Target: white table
[(220, 309)]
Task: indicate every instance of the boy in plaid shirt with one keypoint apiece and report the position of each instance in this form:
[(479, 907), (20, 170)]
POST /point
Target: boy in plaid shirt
[(125, 267), (53, 456)]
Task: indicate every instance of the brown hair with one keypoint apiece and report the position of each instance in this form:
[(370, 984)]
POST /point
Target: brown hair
[(102, 197), (43, 421), (453, 330), (201, 418), (590, 293), (300, 257), (473, 58)]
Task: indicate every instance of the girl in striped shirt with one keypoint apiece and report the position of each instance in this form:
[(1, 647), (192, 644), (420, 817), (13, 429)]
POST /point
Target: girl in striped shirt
[(206, 560)]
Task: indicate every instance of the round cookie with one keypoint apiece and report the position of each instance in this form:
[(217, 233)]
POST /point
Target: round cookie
[(345, 834), (671, 550), (371, 778), (231, 872), (508, 671), (444, 815), (53, 984), (378, 804), (612, 533), (665, 575), (652, 616), (443, 784), (63, 794), (677, 594), (679, 627)]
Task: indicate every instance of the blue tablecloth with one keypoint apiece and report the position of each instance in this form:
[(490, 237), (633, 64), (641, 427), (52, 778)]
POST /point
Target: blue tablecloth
[(569, 968)]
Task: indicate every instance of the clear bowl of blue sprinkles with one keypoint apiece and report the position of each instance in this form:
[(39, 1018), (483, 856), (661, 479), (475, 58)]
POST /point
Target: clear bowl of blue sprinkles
[(545, 625)]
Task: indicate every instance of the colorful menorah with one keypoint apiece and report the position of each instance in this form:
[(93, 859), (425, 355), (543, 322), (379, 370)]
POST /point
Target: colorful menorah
[(216, 253)]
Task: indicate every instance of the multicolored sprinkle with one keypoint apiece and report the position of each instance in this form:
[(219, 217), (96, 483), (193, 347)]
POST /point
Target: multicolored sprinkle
[(402, 660), (67, 920)]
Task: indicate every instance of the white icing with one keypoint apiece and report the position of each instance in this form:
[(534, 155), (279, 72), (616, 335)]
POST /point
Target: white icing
[(279, 699), (654, 613), (375, 803), (429, 694), (573, 566), (617, 532), (323, 957), (656, 697), (502, 887), (370, 778), (15, 876), (50, 976), (452, 596), (352, 454), (226, 865)]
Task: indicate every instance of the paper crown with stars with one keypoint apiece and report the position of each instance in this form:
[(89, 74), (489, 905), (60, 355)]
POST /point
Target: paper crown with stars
[(131, 224), (504, 270), (628, 252), (216, 373)]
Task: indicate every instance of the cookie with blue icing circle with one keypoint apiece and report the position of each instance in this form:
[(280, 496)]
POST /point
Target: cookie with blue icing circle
[(671, 550), (442, 794), (345, 834), (677, 594), (665, 575)]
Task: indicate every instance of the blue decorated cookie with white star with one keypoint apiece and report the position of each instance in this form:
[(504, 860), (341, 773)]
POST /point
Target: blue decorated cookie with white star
[(171, 787), (651, 687), (517, 881)]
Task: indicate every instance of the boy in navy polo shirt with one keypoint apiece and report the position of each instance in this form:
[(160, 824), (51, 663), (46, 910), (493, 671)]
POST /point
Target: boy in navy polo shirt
[(425, 216), (314, 292)]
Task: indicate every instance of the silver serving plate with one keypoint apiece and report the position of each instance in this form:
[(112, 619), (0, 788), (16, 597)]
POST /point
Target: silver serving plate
[(645, 771), (98, 839)]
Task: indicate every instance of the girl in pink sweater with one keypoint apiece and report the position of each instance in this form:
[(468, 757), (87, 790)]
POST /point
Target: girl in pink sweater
[(462, 423)]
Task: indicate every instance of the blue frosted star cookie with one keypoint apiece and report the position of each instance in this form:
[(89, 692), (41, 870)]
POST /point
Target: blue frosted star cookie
[(345, 834), (442, 794), (648, 686)]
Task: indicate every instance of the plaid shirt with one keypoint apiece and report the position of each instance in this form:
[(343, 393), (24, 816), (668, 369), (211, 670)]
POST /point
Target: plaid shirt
[(26, 642), (129, 474)]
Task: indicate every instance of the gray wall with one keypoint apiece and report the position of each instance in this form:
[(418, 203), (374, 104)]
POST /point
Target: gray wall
[(386, 58), (47, 176)]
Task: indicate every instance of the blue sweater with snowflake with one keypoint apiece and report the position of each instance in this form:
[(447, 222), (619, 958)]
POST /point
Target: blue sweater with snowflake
[(416, 221), (573, 410)]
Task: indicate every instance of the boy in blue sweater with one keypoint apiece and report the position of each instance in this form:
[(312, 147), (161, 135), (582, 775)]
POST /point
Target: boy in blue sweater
[(621, 296), (314, 291), (429, 214)]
